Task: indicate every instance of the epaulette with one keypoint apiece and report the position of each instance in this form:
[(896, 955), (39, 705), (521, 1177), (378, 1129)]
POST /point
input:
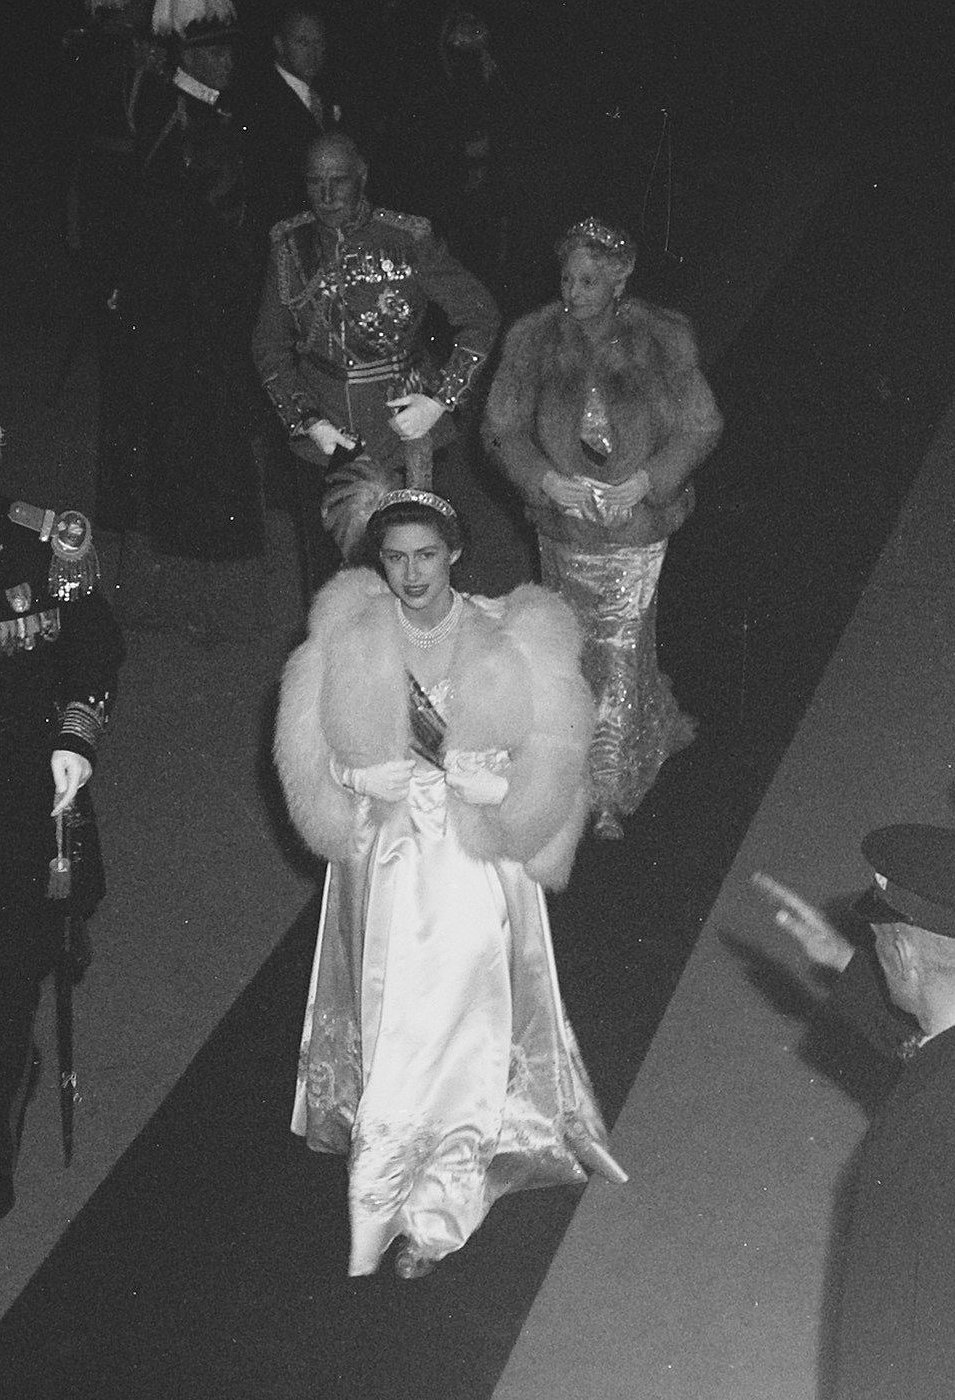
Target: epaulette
[(415, 224), (286, 226), (74, 567)]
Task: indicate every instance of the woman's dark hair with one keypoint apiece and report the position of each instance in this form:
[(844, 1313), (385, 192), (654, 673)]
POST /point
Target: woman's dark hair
[(449, 527)]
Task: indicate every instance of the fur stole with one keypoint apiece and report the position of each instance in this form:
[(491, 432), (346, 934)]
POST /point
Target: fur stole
[(647, 374), (516, 685)]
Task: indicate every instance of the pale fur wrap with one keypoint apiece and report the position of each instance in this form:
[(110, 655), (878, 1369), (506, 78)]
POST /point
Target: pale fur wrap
[(516, 685)]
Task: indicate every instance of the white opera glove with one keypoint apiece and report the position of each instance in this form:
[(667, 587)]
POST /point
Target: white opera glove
[(473, 781), (620, 498), (71, 771), (327, 437), (417, 415), (573, 494), (389, 782)]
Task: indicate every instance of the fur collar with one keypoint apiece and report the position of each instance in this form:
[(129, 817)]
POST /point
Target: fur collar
[(516, 686), (365, 692), (642, 359)]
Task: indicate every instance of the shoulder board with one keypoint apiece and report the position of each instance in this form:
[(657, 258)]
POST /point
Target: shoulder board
[(286, 226), (415, 224)]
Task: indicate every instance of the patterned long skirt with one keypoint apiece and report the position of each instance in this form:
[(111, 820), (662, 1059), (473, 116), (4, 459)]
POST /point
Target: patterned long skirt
[(639, 724)]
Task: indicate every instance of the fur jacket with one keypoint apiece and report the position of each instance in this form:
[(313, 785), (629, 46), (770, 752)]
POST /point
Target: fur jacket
[(516, 685), (661, 412)]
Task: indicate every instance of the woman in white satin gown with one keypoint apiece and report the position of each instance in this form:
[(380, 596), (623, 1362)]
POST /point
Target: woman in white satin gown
[(433, 747)]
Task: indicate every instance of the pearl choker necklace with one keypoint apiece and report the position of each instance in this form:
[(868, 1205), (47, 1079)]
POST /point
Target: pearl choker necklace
[(431, 637)]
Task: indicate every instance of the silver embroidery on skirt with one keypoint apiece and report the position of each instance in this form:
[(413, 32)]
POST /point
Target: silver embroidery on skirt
[(639, 724)]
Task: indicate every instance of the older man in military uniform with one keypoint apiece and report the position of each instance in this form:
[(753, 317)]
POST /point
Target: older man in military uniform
[(60, 650), (340, 345), (895, 1321)]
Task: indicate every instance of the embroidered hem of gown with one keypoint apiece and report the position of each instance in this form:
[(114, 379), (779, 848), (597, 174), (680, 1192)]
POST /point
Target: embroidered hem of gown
[(435, 1051)]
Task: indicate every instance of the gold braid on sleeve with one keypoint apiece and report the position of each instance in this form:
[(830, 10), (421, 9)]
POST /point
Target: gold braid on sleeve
[(83, 721), (458, 376)]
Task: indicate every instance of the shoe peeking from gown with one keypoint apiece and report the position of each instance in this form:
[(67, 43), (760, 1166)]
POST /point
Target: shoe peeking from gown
[(410, 1263)]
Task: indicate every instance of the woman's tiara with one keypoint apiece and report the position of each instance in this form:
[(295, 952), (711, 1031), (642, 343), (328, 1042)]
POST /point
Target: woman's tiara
[(410, 495), (594, 231)]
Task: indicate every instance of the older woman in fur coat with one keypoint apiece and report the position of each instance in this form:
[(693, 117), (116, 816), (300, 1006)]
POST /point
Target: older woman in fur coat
[(598, 414), (441, 769)]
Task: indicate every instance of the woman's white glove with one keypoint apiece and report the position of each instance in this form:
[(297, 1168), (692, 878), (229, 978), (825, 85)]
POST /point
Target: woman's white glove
[(620, 498), (327, 437), (70, 772), (476, 784), (574, 494), (417, 415), (822, 944), (389, 782)]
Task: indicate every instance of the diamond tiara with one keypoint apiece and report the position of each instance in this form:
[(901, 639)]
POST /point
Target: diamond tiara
[(593, 229), (410, 495)]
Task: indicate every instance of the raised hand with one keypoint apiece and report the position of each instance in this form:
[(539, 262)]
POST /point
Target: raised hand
[(821, 943)]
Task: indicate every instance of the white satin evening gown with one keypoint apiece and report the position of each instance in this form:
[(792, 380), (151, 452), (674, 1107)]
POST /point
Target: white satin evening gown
[(435, 1050)]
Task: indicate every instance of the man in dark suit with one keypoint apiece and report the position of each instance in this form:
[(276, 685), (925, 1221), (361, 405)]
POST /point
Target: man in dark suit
[(290, 108), (895, 1325)]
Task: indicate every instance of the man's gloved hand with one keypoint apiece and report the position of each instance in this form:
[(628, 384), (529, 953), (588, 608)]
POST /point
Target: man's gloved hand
[(417, 415), (389, 782), (70, 772), (327, 437), (822, 944)]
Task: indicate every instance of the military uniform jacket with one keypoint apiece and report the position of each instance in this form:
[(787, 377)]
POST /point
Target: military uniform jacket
[(340, 325), (895, 1330), (60, 650)]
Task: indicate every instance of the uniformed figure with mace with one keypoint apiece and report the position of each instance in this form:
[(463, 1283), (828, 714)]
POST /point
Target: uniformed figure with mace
[(60, 650)]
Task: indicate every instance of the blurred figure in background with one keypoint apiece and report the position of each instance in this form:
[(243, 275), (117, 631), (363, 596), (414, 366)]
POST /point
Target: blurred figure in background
[(189, 479), (471, 118), (289, 106), (106, 63)]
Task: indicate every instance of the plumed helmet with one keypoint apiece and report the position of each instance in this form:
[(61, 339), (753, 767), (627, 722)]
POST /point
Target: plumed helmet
[(195, 21)]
